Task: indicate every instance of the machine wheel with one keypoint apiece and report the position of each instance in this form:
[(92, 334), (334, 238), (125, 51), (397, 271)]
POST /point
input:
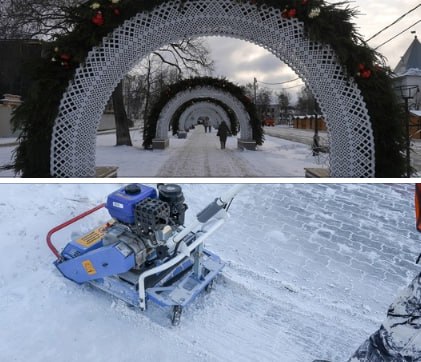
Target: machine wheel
[(176, 315)]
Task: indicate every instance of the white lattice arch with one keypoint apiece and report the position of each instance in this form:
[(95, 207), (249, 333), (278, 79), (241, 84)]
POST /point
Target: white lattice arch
[(74, 133), (196, 116), (183, 97), (192, 113)]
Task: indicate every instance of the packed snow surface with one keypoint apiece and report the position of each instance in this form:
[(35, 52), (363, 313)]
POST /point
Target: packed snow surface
[(310, 272), (198, 156)]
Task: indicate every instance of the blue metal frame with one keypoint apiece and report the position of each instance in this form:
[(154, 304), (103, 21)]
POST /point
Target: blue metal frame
[(103, 262), (182, 292)]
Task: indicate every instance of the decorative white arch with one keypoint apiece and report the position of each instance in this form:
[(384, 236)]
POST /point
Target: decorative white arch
[(246, 133), (214, 111), (196, 116), (74, 133)]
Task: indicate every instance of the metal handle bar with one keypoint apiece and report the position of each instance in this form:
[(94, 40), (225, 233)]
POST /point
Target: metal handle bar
[(65, 224)]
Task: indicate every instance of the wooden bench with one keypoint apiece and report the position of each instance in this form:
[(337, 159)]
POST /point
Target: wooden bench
[(160, 144), (106, 171), (246, 144), (316, 172)]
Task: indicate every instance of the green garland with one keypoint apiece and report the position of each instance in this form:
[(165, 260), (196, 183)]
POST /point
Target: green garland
[(183, 85), (230, 113), (89, 23)]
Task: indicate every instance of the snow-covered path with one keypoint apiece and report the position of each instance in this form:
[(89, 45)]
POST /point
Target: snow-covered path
[(276, 158), (311, 270), (201, 156), (197, 156)]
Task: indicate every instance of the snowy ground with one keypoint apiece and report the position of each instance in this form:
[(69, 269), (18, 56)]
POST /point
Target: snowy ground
[(199, 156), (311, 270)]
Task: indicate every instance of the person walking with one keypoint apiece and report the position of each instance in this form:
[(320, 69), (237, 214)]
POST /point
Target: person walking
[(205, 124), (223, 132)]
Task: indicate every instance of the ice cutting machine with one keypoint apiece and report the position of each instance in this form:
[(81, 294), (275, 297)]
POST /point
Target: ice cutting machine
[(145, 253)]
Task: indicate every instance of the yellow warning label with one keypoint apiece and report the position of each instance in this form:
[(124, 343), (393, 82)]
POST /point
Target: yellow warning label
[(94, 236), (87, 265)]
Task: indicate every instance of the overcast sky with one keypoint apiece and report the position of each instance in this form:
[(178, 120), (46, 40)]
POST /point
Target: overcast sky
[(240, 61)]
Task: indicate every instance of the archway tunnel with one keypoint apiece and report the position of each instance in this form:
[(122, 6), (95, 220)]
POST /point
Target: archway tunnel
[(73, 140)]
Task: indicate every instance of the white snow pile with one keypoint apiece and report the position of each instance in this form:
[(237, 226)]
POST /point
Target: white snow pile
[(311, 270)]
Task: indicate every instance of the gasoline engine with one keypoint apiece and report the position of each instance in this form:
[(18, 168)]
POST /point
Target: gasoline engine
[(145, 253)]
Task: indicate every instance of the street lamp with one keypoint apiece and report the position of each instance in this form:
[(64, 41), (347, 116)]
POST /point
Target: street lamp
[(408, 92)]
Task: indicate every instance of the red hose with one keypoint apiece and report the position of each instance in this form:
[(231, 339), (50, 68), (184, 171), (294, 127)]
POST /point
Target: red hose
[(65, 224)]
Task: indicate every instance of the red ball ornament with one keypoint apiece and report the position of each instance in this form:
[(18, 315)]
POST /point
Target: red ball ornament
[(366, 74), (116, 11), (98, 19), (304, 2), (289, 13), (65, 57)]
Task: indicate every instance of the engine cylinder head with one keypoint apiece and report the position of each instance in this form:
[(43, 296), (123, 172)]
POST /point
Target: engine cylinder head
[(173, 195), (151, 215)]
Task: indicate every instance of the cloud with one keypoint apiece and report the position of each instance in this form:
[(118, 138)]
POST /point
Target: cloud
[(376, 15), (241, 61)]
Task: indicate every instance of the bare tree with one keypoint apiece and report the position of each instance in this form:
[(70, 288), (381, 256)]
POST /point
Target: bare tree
[(306, 103), (249, 90), (162, 67), (264, 96), (35, 19), (284, 100), (284, 104), (43, 19), (167, 65), (187, 56)]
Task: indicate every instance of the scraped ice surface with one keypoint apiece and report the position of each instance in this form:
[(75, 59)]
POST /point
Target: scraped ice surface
[(311, 271)]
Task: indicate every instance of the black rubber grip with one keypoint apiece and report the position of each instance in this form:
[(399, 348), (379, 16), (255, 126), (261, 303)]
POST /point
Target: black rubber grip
[(208, 212)]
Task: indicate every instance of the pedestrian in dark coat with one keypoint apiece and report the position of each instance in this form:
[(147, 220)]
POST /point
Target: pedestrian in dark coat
[(206, 124), (223, 132)]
